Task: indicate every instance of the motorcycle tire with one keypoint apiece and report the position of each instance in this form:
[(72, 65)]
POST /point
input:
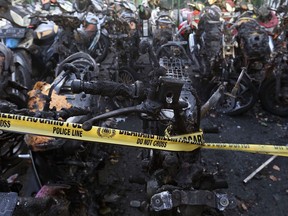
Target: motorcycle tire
[(24, 69), (22, 76), (125, 76), (101, 50), (275, 105), (245, 99), (11, 146)]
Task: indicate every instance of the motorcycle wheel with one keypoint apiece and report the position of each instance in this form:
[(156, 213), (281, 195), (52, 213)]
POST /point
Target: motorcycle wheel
[(23, 72), (101, 50), (245, 99), (21, 76), (11, 146), (277, 105), (125, 76)]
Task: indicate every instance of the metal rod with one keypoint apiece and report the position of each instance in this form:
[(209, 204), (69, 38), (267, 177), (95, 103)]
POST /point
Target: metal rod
[(24, 156), (259, 168)]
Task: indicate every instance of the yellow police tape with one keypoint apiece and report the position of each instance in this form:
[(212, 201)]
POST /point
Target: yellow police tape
[(68, 130)]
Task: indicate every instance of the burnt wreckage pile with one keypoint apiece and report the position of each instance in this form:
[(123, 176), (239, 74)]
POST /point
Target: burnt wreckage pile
[(75, 77)]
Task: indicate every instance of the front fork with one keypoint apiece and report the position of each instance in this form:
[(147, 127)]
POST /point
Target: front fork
[(237, 84)]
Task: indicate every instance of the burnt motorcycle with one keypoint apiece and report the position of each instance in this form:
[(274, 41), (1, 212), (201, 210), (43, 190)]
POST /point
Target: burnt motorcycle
[(255, 46), (30, 37), (69, 172), (124, 37), (41, 191), (245, 51), (160, 111), (206, 44), (163, 26), (273, 89), (11, 34), (13, 96), (240, 93), (71, 37), (94, 14), (13, 81)]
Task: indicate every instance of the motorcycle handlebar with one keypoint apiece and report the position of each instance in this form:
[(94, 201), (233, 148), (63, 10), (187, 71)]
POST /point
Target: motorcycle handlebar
[(108, 88)]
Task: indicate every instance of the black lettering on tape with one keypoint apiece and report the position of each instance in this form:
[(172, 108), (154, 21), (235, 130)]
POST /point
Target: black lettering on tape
[(140, 135), (161, 144), (3, 115), (195, 139), (31, 119), (61, 131), (5, 123), (147, 142), (278, 147), (11, 116), (51, 122), (76, 125), (139, 141), (200, 139), (77, 133), (222, 145)]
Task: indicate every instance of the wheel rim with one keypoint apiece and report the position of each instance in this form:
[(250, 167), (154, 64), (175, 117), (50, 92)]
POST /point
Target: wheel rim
[(125, 77), (18, 76), (242, 101)]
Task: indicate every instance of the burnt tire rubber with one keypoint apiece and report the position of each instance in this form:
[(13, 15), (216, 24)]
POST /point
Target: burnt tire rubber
[(23, 72), (22, 76), (245, 99), (272, 103)]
